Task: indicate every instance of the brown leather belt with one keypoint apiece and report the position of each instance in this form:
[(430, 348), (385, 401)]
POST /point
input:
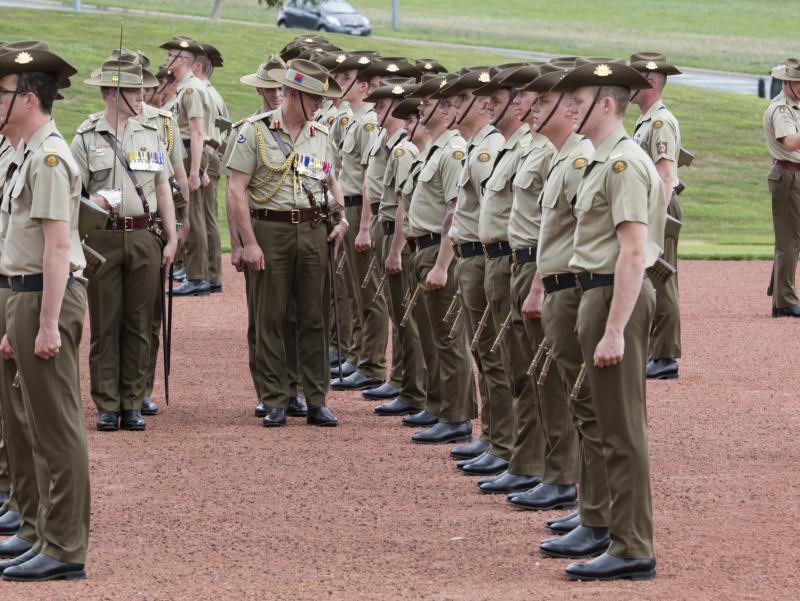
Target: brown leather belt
[(787, 164), (497, 249), (388, 228), (296, 216), (353, 201), (465, 250), (375, 207), (128, 224)]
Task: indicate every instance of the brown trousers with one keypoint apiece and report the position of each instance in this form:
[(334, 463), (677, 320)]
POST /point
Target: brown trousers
[(407, 348), (552, 427), (379, 249), (196, 251), (784, 186), (349, 326), (21, 469), (373, 316), (296, 258), (665, 339), (52, 398), (122, 295), (620, 404), (458, 401), (492, 379), (559, 318)]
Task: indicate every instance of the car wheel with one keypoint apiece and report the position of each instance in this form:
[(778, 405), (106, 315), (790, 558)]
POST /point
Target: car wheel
[(322, 28), (282, 23)]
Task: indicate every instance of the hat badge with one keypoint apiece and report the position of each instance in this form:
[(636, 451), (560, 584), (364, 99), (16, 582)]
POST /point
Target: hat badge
[(308, 40), (484, 77), (603, 70), (443, 84), (325, 86), (341, 58), (23, 58), (397, 90), (392, 68), (652, 66), (428, 66), (363, 60), (184, 44)]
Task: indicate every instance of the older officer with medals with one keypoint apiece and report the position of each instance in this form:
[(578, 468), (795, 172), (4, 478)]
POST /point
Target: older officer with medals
[(280, 173)]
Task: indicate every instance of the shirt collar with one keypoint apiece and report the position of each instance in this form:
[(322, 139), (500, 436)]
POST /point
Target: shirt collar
[(483, 133), (570, 143), (39, 136), (103, 125), (651, 112), (521, 131), (392, 140), (444, 138), (606, 146)]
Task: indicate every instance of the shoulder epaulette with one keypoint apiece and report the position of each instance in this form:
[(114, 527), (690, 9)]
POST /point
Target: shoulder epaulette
[(165, 113), (259, 117)]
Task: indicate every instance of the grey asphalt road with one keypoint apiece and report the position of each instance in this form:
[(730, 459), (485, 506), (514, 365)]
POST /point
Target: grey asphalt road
[(721, 81)]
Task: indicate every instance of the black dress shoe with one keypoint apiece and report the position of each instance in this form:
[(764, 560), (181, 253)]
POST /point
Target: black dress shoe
[(662, 369), (179, 274), (355, 381), (485, 465), (214, 288), (192, 288), (385, 391), (149, 407), (583, 541), (348, 369), (507, 482), (14, 547), (260, 410), (297, 407), (43, 567), (546, 497), (108, 421), (132, 420), (274, 418), (333, 358), (420, 419), (790, 311), (15, 561), (442, 433), (565, 523), (395, 407), (3, 496), (10, 522), (469, 451), (463, 462), (608, 567), (321, 416)]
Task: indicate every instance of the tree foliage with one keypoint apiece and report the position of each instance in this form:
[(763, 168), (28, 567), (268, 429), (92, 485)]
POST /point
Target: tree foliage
[(271, 3)]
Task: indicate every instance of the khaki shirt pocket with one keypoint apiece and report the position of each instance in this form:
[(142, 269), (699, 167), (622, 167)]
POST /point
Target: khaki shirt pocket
[(428, 171), (100, 165), (524, 179), (496, 184), (349, 143)]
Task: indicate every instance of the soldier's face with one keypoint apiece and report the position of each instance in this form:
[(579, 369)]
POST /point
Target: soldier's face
[(272, 97), (427, 111), (382, 107), (374, 83), (344, 78), (8, 85), (522, 102), (497, 102), (581, 103)]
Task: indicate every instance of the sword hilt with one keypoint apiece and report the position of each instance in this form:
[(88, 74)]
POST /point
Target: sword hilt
[(501, 333), (479, 330), (548, 360), (451, 309), (410, 306), (576, 389), (381, 284), (340, 264), (456, 323), (368, 275)]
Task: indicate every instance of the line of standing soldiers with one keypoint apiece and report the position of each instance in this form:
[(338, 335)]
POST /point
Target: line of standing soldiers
[(499, 218)]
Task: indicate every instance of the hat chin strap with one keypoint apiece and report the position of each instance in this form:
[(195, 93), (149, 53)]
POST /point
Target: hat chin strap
[(550, 116), (413, 130), (386, 114), (11, 105), (465, 113), (125, 100), (428, 118), (166, 80), (512, 93), (589, 112), (303, 105), (264, 99), (794, 92)]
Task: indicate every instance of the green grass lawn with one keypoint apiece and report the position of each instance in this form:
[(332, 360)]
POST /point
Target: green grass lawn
[(726, 204), (737, 35)]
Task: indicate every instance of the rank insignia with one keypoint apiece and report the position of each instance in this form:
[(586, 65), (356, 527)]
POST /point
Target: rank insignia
[(619, 166), (241, 138), (580, 163), (344, 120), (369, 127), (51, 160), (484, 157), (658, 124), (398, 152), (661, 148), (458, 155)]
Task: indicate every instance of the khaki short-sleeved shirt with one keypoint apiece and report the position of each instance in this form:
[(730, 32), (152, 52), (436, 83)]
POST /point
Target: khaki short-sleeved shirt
[(523, 225), (147, 157), (401, 159), (359, 135), (8, 156), (46, 185), (218, 109), (327, 114), (482, 151), (168, 130), (281, 190), (407, 189), (344, 114), (437, 183), (192, 101), (619, 184), (781, 119), (659, 135), (377, 158), (234, 133), (557, 230), (498, 193)]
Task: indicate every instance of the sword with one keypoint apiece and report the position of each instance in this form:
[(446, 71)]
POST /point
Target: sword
[(456, 323), (501, 333), (578, 383), (545, 368), (537, 358), (340, 265), (370, 269), (479, 330), (410, 306), (381, 284), (451, 310)]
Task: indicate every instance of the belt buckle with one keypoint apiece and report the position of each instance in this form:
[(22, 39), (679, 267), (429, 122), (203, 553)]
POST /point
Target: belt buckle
[(127, 223), (295, 216)]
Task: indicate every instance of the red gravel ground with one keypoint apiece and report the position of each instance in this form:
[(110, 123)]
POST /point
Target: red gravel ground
[(207, 504)]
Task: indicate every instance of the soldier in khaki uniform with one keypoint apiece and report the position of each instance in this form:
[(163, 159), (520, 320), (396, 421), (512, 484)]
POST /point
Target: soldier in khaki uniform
[(483, 142), (193, 109), (124, 291), (6, 152), (45, 310), (203, 69), (280, 168), (495, 211), (620, 212), (658, 133), (588, 528), (271, 96), (782, 132), (429, 219)]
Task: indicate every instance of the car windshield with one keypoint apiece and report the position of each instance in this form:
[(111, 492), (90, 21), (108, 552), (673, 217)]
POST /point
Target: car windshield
[(338, 7)]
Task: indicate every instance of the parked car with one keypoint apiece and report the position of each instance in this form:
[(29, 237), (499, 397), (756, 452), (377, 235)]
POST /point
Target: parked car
[(325, 15)]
